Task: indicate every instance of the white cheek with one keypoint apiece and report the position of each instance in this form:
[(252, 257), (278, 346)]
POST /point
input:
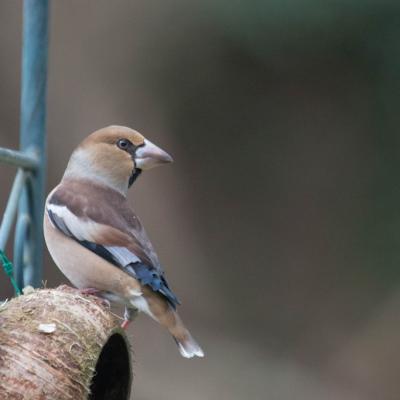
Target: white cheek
[(82, 165)]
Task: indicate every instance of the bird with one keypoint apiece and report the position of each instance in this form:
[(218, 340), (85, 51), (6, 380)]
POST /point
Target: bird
[(96, 239)]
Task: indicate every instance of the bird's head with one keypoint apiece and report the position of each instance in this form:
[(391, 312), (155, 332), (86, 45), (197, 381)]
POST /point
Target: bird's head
[(115, 156)]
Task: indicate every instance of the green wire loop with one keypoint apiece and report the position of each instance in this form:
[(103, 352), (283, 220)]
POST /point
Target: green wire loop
[(9, 270)]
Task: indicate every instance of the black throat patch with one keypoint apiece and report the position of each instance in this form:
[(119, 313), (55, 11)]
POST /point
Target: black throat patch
[(135, 173)]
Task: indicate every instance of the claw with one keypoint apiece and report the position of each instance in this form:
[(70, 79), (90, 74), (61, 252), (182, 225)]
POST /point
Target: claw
[(89, 290), (95, 292), (105, 302)]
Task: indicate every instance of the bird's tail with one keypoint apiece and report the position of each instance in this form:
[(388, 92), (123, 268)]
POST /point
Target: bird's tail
[(188, 347), (161, 310)]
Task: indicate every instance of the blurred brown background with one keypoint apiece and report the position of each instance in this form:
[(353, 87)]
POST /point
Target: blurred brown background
[(278, 223)]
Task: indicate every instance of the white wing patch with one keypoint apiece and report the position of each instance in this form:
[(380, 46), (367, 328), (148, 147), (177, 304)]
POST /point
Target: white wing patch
[(80, 229), (123, 255), (89, 230)]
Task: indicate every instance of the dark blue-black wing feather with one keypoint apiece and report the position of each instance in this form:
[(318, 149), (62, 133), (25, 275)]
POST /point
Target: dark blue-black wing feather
[(151, 277)]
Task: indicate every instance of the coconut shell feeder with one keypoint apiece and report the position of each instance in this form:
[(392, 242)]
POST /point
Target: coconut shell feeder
[(60, 344)]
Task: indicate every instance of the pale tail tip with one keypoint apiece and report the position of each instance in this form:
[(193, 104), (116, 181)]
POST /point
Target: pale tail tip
[(190, 349)]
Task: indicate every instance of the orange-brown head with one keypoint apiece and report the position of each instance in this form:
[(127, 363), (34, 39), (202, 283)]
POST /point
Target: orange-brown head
[(114, 156)]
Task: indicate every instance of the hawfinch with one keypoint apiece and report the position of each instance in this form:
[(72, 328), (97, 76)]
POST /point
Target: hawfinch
[(97, 240)]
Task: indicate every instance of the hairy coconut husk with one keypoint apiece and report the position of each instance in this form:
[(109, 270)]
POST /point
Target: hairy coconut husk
[(59, 344)]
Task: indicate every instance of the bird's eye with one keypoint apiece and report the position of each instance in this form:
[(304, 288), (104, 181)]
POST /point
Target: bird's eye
[(123, 144)]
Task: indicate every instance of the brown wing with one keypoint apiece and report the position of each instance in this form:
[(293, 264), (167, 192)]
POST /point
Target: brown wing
[(107, 208)]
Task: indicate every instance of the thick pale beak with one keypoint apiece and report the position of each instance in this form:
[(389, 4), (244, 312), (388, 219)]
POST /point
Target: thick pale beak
[(149, 156)]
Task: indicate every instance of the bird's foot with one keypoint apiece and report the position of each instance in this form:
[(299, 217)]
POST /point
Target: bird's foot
[(105, 302), (89, 290), (95, 292)]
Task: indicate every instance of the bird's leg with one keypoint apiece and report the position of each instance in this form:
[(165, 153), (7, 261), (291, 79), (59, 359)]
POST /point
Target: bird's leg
[(125, 324), (95, 292), (129, 316), (89, 290)]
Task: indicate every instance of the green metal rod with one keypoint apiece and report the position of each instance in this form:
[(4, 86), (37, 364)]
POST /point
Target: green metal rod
[(25, 243), (33, 126), (18, 158), (11, 209)]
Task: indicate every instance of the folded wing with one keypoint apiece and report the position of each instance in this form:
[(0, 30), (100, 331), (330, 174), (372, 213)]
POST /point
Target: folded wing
[(109, 228)]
